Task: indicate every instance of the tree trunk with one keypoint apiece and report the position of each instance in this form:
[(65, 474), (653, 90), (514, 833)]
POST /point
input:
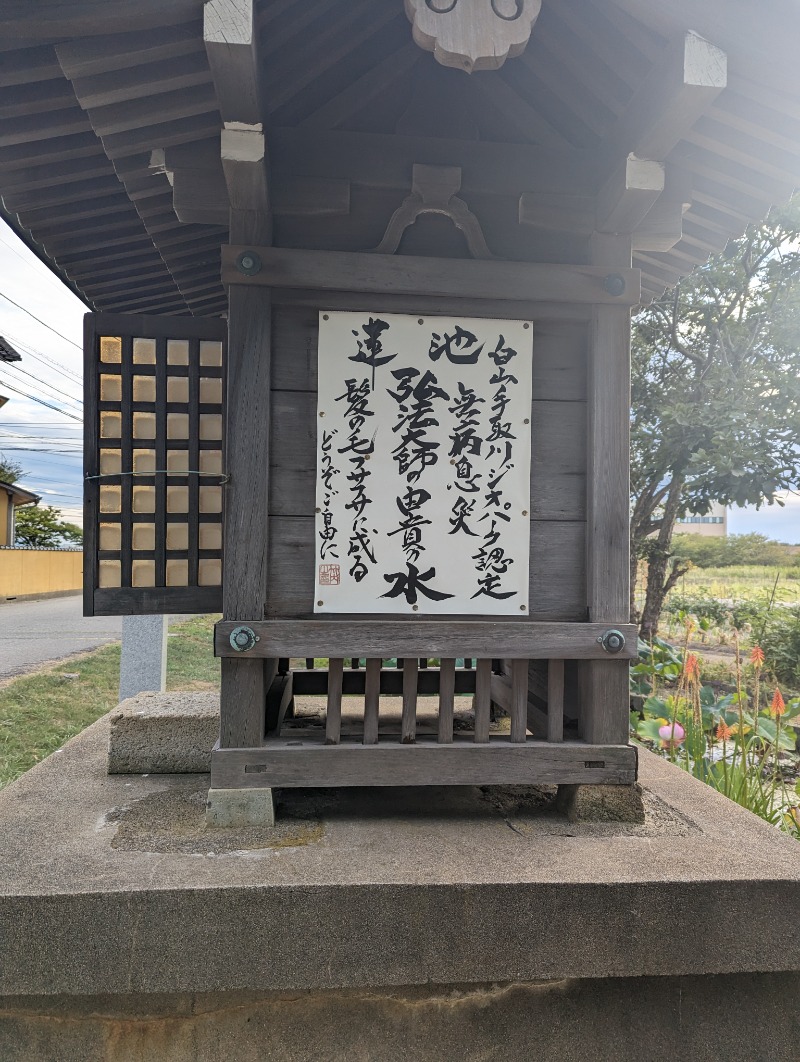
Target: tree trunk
[(658, 582)]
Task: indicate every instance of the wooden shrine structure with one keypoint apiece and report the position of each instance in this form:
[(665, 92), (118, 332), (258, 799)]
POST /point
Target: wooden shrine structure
[(216, 180)]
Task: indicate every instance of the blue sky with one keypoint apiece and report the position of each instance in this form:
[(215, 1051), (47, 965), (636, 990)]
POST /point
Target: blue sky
[(47, 441)]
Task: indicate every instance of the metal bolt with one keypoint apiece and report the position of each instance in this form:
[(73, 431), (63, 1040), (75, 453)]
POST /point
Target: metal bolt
[(415, 608), (320, 603), (526, 324), (613, 641), (242, 639), (325, 317), (523, 608), (524, 512), (420, 320), (248, 263), (614, 284), (322, 414)]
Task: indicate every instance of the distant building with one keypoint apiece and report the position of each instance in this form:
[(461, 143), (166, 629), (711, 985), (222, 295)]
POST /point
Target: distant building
[(11, 497), (713, 525)]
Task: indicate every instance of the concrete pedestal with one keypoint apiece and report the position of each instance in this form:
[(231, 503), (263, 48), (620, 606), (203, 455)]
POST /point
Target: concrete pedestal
[(143, 660), (427, 924)]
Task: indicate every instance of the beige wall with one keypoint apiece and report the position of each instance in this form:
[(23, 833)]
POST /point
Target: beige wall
[(702, 525), (39, 571)]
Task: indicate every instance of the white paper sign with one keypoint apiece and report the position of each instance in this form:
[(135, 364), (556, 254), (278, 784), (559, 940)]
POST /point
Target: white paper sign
[(423, 465)]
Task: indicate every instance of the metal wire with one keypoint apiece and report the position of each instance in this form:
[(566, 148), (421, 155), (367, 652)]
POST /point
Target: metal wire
[(223, 477)]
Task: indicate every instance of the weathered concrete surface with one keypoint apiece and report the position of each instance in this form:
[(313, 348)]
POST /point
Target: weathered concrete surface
[(233, 809), (601, 803), (102, 892), (164, 733), (735, 1018)]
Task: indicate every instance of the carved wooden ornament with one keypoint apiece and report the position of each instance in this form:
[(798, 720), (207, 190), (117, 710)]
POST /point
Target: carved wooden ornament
[(473, 34)]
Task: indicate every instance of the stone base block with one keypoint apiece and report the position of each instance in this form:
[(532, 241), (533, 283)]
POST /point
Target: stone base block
[(735, 1018), (235, 808), (601, 803), (427, 924), (164, 733)]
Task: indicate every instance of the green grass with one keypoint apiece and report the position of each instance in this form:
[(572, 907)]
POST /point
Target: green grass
[(39, 712), (750, 582)]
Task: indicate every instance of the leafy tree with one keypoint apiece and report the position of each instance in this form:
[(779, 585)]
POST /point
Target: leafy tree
[(716, 394), (41, 525), (710, 552), (10, 472)]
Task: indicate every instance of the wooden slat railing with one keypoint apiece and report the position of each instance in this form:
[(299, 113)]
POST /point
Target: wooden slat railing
[(509, 690)]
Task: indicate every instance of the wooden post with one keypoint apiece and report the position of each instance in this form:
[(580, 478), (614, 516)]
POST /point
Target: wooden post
[(244, 682), (231, 38), (604, 694)]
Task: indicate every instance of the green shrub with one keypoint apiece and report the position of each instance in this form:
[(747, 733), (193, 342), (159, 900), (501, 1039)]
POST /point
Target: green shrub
[(708, 552), (780, 640)]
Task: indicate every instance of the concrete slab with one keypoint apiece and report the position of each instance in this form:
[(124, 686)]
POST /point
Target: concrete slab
[(163, 733), (113, 885)]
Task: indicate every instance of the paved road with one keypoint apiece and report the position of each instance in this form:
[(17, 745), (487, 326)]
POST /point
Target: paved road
[(35, 632)]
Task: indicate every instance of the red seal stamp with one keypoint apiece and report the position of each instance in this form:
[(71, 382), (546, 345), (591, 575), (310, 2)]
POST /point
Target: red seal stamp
[(329, 575)]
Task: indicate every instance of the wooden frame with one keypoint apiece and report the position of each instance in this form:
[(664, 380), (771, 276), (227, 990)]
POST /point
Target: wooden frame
[(348, 636), (459, 278), (289, 763), (128, 599)]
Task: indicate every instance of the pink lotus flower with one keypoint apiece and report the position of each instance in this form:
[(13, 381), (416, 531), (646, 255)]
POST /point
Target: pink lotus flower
[(671, 733)]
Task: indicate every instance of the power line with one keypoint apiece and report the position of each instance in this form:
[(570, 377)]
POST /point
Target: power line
[(41, 401), (40, 355), (49, 363), (43, 383), (41, 322)]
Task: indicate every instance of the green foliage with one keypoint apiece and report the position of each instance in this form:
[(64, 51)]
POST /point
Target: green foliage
[(41, 525), (716, 392), (39, 712), (10, 471), (780, 640), (707, 552), (731, 742)]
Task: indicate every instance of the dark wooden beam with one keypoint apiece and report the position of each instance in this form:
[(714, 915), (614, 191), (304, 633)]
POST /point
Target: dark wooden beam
[(421, 638), (426, 277), (673, 97), (628, 195), (230, 38), (91, 18), (282, 763)]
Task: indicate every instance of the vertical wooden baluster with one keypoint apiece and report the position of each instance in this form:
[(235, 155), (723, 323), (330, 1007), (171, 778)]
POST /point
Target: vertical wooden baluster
[(519, 699), (408, 726), (309, 663), (483, 680), (555, 700), (423, 662), (333, 722), (355, 663), (468, 663), (372, 689), (447, 687)]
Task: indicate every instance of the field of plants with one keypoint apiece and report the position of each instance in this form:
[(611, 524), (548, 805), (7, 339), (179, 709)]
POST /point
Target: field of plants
[(718, 692)]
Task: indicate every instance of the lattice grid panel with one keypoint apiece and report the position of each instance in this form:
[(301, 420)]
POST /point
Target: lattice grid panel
[(155, 467)]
